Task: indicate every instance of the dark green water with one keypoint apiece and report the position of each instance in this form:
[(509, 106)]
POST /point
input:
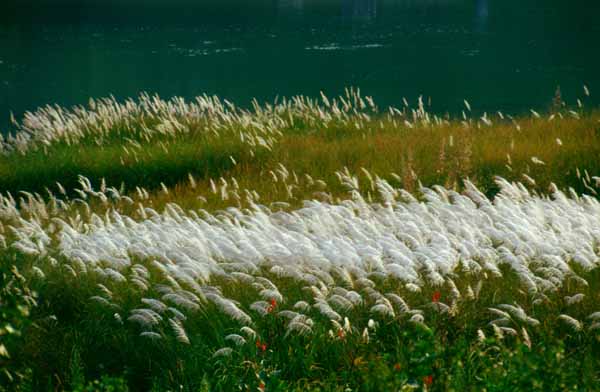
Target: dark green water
[(498, 54)]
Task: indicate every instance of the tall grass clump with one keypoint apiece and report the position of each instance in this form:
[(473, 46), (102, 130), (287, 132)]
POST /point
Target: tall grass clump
[(150, 142), (305, 245)]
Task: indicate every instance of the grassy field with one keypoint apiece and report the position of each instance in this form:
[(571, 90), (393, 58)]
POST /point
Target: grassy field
[(323, 245)]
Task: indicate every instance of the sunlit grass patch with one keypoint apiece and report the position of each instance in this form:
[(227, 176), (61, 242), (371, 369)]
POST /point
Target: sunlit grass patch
[(150, 142)]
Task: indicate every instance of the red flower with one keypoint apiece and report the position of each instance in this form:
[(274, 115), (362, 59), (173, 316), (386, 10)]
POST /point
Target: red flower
[(261, 346), (397, 367), (261, 386), (272, 307), (341, 334), (428, 380), (436, 296)]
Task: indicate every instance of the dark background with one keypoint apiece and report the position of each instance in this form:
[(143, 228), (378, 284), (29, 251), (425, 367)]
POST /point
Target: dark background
[(501, 55)]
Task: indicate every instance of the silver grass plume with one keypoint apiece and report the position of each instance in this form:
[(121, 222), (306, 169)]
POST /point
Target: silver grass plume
[(236, 339), (179, 331), (571, 322), (223, 352)]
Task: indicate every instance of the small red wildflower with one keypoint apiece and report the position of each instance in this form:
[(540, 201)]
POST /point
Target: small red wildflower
[(261, 386), (273, 302), (428, 380), (261, 346), (397, 367), (436, 296), (341, 334)]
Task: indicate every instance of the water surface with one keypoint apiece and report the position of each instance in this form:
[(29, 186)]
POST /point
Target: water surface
[(506, 54)]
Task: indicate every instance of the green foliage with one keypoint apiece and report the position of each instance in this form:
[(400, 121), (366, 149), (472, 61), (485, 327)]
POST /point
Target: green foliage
[(70, 338), (395, 353), (104, 384), (16, 303)]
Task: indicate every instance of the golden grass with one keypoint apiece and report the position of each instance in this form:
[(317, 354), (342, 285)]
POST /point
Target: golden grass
[(307, 144)]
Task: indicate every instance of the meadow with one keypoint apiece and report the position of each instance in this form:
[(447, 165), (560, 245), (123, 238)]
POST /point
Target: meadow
[(307, 244)]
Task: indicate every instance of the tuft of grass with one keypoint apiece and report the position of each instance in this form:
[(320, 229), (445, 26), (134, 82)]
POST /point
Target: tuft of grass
[(502, 310), (166, 145)]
